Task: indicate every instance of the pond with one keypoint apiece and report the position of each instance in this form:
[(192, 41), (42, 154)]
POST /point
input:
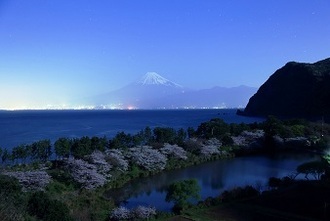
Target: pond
[(213, 178)]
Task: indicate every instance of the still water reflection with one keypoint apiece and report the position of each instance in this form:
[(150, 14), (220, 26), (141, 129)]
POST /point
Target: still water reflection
[(213, 178)]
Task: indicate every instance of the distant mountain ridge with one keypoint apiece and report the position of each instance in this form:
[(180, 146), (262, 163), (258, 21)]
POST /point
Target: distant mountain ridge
[(216, 97), (295, 90), (152, 91)]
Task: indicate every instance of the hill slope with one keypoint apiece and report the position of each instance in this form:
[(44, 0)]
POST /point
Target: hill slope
[(295, 90)]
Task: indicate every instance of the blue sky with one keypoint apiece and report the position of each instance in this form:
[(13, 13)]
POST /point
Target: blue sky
[(53, 51)]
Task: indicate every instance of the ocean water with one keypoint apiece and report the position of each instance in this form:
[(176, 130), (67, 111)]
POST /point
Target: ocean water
[(24, 127)]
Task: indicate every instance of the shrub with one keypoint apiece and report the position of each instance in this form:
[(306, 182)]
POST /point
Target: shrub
[(274, 182), (213, 128), (11, 208), (41, 206), (81, 147), (181, 192), (63, 176), (239, 193), (9, 185)]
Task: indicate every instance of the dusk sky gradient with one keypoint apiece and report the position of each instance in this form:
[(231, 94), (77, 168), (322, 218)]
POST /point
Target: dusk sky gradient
[(55, 51)]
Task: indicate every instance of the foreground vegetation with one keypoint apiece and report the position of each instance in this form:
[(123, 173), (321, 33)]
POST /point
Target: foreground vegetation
[(73, 174), (288, 200)]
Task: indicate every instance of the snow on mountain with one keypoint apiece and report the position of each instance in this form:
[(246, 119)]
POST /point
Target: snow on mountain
[(153, 91), (138, 94), (152, 78)]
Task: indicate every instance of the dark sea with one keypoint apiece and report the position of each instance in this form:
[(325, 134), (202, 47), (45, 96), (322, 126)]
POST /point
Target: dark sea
[(25, 127)]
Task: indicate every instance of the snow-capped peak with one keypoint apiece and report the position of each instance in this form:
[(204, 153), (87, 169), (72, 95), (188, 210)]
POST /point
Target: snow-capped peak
[(152, 78)]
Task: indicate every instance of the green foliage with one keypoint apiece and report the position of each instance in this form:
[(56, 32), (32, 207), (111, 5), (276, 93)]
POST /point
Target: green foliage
[(11, 208), (63, 177), (322, 143), (62, 147), (46, 209), (147, 135), (164, 135), (1, 150), (99, 143), (191, 132), (227, 140), (142, 137), (135, 172), (326, 157), (41, 150), (121, 141), (5, 156), (272, 126), (181, 192), (9, 185), (298, 130), (138, 139), (11, 199), (237, 129), (215, 128), (20, 152), (81, 147), (180, 137), (192, 145), (56, 187), (287, 128)]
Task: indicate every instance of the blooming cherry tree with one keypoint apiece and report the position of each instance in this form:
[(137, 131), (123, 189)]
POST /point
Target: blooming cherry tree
[(148, 158), (174, 151), (86, 174), (117, 159)]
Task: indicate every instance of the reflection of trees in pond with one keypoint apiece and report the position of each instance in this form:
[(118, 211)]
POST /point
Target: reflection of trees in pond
[(214, 180), (215, 184), (142, 186), (214, 176), (160, 182)]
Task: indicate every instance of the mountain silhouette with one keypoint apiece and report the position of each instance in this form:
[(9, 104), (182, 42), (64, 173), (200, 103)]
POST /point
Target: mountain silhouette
[(295, 90)]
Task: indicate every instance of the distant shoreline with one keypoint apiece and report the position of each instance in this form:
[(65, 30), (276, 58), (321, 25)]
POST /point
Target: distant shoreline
[(117, 109)]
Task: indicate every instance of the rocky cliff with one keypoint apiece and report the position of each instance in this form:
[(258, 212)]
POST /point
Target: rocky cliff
[(295, 90)]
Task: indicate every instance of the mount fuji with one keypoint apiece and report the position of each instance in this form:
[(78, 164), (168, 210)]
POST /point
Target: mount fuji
[(152, 78), (152, 91), (139, 94)]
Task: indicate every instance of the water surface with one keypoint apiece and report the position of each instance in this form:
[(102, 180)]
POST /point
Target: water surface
[(19, 127), (213, 177)]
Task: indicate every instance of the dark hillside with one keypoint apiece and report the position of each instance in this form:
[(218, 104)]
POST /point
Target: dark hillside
[(295, 90)]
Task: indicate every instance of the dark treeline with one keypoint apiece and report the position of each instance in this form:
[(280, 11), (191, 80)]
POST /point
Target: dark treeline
[(44, 150)]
